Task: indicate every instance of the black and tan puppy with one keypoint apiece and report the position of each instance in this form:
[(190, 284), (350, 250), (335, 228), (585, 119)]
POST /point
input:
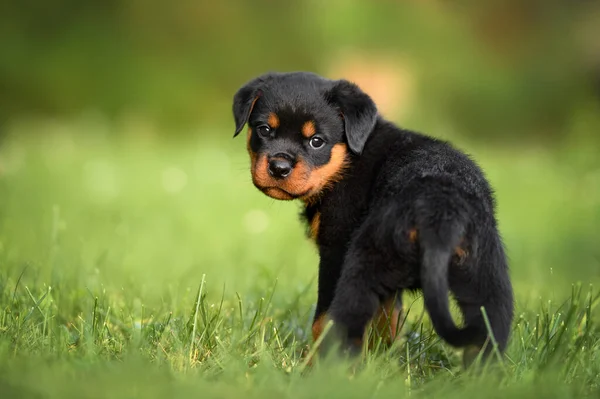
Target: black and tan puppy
[(389, 209)]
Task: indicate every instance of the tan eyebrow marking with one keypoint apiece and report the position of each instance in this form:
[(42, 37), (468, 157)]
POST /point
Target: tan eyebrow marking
[(273, 120), (308, 129)]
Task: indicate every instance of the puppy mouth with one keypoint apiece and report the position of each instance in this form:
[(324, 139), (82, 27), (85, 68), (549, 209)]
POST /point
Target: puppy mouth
[(296, 185), (281, 194), (305, 182)]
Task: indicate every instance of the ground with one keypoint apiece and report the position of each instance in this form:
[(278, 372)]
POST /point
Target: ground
[(135, 266)]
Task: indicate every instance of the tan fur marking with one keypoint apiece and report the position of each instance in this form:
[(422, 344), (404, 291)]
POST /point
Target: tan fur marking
[(318, 326), (315, 223), (386, 322), (325, 176), (308, 129), (273, 120), (413, 235), (303, 181), (293, 185), (461, 254), (278, 193)]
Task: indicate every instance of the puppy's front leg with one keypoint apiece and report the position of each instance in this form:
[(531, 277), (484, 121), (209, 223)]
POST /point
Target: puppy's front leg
[(330, 266)]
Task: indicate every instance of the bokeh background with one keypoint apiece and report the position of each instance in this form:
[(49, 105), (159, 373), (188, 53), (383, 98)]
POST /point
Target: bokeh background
[(118, 172)]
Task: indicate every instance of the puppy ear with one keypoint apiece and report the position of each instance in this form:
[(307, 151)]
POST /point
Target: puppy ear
[(243, 102), (358, 110)]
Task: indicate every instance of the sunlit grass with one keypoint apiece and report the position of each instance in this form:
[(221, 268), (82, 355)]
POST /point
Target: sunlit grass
[(134, 266)]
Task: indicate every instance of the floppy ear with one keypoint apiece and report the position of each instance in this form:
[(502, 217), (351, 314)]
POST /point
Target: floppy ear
[(243, 102), (358, 110)]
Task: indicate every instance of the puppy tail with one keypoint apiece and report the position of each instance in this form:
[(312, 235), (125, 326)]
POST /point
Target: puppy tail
[(438, 244), (434, 280)]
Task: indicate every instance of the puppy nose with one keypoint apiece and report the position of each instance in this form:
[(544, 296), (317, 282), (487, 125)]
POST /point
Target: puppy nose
[(280, 166)]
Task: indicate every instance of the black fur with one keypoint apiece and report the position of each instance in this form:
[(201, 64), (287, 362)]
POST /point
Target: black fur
[(242, 104), (358, 111), (396, 181)]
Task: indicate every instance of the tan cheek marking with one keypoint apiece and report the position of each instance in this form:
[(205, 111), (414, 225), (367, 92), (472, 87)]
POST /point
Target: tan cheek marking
[(296, 181), (273, 120), (308, 129), (260, 175), (330, 173), (315, 223), (294, 184), (302, 178)]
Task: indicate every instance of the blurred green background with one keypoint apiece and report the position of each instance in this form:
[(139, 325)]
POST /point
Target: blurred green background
[(118, 171)]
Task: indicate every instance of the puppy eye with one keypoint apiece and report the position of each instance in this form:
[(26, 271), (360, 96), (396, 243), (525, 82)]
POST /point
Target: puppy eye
[(264, 130), (316, 142)]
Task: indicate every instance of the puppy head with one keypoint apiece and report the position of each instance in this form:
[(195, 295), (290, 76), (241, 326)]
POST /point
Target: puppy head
[(301, 131)]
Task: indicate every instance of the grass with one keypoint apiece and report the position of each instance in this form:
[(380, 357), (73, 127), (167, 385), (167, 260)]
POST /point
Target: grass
[(135, 267)]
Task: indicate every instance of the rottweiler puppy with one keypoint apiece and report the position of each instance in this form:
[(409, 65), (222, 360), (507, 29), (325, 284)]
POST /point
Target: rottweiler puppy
[(389, 209)]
